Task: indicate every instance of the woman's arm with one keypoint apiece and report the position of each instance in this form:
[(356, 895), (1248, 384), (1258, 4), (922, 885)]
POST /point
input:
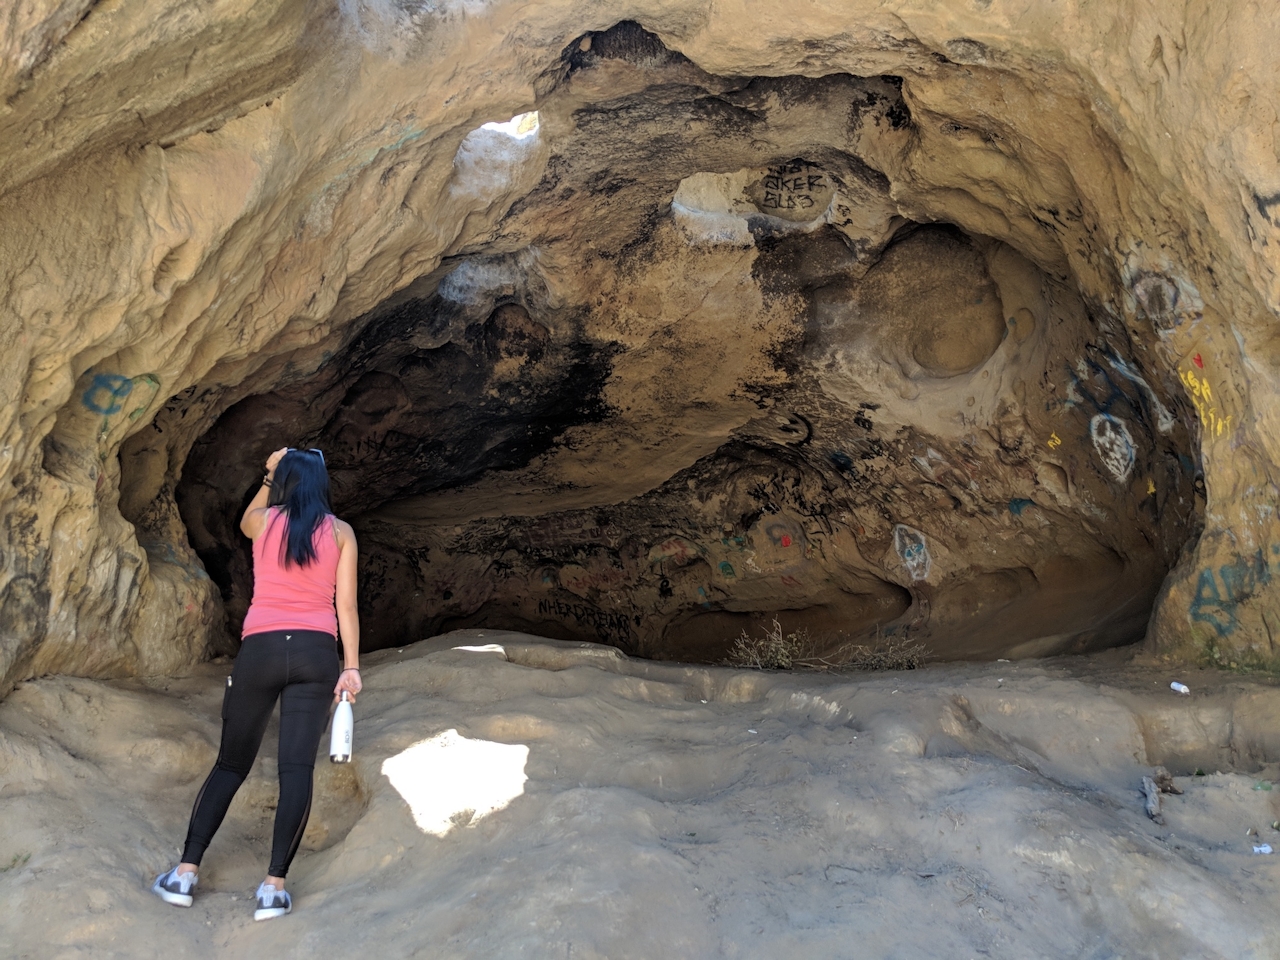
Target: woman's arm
[(348, 617), (254, 520)]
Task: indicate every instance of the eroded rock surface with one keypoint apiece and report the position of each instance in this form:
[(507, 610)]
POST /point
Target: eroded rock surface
[(521, 797), (916, 320)]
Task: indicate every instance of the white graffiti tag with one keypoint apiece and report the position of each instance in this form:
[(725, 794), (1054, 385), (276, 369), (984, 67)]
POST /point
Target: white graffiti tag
[(1164, 419), (911, 547), (1114, 444)]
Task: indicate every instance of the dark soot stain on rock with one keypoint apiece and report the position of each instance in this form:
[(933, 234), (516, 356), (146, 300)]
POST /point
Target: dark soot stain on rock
[(396, 421)]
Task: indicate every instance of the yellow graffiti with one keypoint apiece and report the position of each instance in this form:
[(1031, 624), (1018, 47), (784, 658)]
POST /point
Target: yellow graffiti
[(1199, 386), (1201, 397), (1055, 441), (1151, 486)]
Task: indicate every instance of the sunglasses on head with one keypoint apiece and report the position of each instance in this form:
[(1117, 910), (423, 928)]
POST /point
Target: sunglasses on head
[(315, 450)]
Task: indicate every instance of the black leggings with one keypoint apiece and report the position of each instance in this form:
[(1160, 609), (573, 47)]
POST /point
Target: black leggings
[(301, 668)]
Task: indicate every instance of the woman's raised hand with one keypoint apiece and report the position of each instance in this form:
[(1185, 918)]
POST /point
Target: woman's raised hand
[(274, 460), (349, 682)]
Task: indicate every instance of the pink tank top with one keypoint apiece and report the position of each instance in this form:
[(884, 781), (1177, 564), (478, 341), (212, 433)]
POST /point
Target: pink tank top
[(292, 597)]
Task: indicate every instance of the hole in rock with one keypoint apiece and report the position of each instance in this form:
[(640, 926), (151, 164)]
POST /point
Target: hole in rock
[(707, 371), (520, 126)]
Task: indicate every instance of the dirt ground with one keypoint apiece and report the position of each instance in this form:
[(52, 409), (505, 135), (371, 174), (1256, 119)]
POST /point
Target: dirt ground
[(531, 798)]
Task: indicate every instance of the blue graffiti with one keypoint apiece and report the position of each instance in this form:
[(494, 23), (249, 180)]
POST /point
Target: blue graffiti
[(1097, 390), (1100, 391), (1018, 504), (1240, 581), (913, 551), (107, 393)]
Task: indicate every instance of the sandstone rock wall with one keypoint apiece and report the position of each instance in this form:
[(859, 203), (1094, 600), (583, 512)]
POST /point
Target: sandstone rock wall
[(206, 206)]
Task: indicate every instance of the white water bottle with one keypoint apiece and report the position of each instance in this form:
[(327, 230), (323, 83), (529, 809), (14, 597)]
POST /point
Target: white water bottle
[(340, 738)]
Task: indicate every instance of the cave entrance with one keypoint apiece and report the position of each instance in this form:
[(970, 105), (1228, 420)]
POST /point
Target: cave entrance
[(939, 444), (703, 372)]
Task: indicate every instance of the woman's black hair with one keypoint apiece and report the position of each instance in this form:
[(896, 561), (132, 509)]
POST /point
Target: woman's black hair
[(300, 487)]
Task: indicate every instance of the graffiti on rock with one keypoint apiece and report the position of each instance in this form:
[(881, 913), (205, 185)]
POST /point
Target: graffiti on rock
[(1215, 425), (580, 580), (676, 549), (106, 397), (153, 384), (1093, 387), (913, 550), (557, 530), (1168, 302), (107, 394), (780, 534), (1164, 419), (793, 186), (613, 627), (1216, 605), (1114, 444)]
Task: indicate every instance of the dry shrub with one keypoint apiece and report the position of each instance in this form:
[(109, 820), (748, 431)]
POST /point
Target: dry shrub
[(773, 651), (778, 650), (885, 653)]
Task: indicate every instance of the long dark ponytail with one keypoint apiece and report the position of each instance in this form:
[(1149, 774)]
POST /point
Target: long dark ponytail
[(300, 487)]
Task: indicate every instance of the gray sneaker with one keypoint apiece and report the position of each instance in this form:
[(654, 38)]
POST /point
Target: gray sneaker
[(175, 888), (272, 902)]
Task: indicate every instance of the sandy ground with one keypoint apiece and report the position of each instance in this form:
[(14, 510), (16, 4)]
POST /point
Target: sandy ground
[(541, 799)]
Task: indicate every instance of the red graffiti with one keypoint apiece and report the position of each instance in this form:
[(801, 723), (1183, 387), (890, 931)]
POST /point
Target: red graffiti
[(786, 540), (676, 549), (1197, 361), (578, 580)]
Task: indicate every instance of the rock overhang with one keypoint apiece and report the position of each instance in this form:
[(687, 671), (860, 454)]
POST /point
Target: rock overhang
[(637, 416), (791, 475)]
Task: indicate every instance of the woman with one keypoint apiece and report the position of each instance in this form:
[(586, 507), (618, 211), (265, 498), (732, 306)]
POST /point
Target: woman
[(304, 561)]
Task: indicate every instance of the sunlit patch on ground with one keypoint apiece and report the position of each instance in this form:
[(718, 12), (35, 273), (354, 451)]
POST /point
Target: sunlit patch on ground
[(450, 780), (484, 648)]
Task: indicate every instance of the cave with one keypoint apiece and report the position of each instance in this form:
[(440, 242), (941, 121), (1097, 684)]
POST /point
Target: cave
[(704, 373), (883, 334)]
